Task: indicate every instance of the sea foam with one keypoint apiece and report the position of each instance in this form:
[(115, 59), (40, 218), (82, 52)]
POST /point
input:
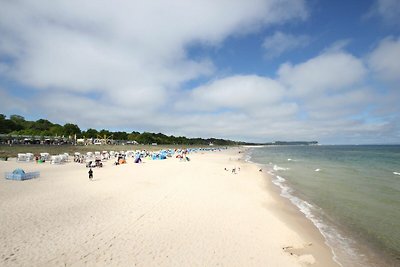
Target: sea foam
[(278, 168), (332, 236)]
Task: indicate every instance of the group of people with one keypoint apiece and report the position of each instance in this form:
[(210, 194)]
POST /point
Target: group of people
[(82, 158), (96, 163), (238, 169), (79, 158), (234, 170), (39, 159), (121, 159)]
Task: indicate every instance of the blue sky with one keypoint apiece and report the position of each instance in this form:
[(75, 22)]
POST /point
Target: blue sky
[(259, 70)]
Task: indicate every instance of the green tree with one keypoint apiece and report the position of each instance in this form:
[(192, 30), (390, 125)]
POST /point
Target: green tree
[(17, 118), (3, 126), (42, 125), (146, 138), (17, 122), (56, 130), (8, 126), (105, 132), (120, 136), (133, 136), (71, 129), (90, 133)]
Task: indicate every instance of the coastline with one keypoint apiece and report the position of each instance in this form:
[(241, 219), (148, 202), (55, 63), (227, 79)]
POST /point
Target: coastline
[(293, 169), (155, 213), (296, 220), (292, 214)]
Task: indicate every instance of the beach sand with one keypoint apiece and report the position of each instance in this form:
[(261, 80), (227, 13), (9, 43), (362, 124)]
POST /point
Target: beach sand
[(158, 213)]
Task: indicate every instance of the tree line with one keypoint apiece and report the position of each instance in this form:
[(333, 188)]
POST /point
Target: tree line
[(17, 125)]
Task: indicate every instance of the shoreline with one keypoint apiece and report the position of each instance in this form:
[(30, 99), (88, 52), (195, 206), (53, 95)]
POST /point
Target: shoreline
[(347, 248), (296, 220), (156, 213)]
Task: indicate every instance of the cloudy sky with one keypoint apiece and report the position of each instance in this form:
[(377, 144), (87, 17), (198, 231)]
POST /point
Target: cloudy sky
[(250, 70)]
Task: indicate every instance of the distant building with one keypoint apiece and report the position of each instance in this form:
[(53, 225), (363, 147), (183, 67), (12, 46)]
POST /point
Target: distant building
[(80, 141)]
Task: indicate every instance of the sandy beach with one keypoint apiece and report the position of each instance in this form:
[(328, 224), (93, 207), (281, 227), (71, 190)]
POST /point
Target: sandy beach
[(157, 213)]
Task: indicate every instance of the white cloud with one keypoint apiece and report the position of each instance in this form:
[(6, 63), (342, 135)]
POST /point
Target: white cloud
[(388, 10), (385, 59), (337, 47), (261, 108), (235, 92), (280, 43), (328, 72), (121, 64), (128, 53), (341, 105), (107, 46)]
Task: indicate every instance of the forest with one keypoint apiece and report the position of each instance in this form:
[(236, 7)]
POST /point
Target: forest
[(18, 125)]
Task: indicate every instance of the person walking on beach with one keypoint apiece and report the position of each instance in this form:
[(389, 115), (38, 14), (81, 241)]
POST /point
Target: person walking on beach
[(90, 174)]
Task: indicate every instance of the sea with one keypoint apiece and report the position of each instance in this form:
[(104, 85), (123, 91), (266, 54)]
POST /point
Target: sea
[(351, 194)]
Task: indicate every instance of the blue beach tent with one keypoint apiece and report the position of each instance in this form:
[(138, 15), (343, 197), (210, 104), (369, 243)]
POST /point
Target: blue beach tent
[(20, 175)]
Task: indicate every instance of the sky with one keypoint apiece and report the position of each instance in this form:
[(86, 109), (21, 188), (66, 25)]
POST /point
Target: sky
[(248, 70)]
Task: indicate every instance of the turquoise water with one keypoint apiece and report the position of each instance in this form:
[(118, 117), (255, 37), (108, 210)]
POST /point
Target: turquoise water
[(351, 193)]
